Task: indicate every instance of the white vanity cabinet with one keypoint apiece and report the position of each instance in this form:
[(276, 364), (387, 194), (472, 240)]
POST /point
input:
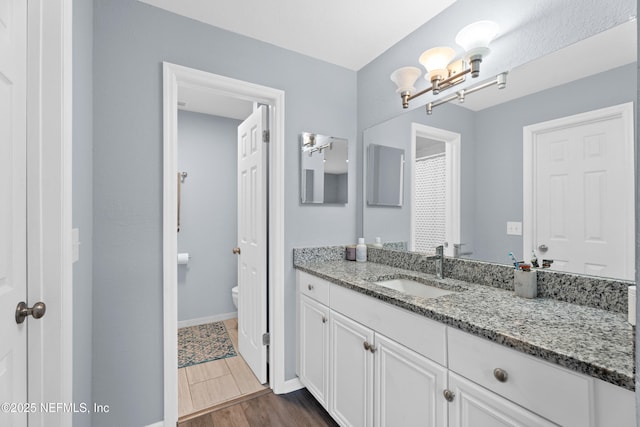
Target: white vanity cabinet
[(370, 363), (313, 361), (475, 406), (313, 335), (374, 379), (408, 387), (350, 372), (492, 385)]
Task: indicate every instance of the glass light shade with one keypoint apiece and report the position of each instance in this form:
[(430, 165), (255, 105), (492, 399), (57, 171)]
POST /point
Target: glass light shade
[(405, 78), (475, 38), (435, 61)]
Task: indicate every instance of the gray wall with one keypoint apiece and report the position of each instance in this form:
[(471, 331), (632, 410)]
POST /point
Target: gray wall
[(131, 40), (498, 179), (208, 214), (528, 30), (82, 195)]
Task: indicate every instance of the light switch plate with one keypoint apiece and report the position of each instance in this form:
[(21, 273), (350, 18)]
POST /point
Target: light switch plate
[(514, 228)]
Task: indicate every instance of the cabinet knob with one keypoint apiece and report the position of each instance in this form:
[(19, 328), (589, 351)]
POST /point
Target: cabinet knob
[(310, 286), (501, 375), (324, 319), (369, 347), (448, 395)]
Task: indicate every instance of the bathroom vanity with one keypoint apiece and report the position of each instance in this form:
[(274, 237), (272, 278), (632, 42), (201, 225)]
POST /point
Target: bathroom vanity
[(477, 356)]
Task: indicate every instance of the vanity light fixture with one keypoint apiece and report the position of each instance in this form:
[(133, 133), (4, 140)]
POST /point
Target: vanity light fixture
[(442, 72)]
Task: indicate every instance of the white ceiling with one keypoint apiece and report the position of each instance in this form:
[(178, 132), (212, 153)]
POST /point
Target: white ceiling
[(346, 33)]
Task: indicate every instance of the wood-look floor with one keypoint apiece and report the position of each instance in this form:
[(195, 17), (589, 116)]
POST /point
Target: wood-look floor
[(212, 385), (297, 409)]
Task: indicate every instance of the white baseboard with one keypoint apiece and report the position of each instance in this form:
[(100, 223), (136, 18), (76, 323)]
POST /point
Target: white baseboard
[(288, 386), (208, 319), (158, 424)]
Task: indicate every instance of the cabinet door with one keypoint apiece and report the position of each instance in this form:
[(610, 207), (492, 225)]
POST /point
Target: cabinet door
[(351, 372), (475, 406), (408, 387), (314, 348)]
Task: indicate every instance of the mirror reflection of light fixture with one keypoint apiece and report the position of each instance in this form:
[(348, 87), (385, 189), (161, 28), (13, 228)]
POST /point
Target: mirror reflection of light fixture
[(310, 143), (442, 73)]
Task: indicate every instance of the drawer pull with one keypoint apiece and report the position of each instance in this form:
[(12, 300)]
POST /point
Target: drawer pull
[(310, 287), (501, 375), (448, 395)]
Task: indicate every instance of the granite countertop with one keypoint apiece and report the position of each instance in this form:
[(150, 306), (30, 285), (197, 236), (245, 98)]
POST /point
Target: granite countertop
[(588, 340)]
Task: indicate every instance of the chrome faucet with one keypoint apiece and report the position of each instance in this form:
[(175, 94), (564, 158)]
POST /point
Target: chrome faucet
[(439, 258)]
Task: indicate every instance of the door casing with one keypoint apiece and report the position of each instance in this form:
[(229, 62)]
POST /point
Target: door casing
[(175, 76)]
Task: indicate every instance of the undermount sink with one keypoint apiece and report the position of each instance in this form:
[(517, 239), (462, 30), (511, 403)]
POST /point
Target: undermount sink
[(414, 288)]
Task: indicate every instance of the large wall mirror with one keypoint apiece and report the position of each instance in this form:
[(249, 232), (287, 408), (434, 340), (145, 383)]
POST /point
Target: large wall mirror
[(324, 169), (491, 125)]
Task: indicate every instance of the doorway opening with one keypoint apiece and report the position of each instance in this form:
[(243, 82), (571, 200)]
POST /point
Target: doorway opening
[(176, 80), (212, 367), (435, 190)]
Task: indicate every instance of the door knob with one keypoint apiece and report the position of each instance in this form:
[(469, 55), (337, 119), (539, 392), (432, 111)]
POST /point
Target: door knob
[(22, 311), (543, 248), (236, 251)]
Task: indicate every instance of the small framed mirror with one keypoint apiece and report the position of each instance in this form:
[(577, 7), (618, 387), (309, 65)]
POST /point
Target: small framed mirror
[(324, 169), (385, 175)]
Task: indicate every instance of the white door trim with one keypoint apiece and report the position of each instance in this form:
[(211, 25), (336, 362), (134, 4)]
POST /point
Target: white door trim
[(529, 133), (452, 209), (49, 209), (175, 76)]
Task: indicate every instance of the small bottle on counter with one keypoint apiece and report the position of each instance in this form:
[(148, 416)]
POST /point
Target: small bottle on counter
[(361, 250), (377, 243)]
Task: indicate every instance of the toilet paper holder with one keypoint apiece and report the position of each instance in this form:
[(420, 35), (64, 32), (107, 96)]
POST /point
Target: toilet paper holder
[(183, 258)]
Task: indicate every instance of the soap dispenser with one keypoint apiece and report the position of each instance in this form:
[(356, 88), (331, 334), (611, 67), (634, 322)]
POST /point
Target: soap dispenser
[(361, 250)]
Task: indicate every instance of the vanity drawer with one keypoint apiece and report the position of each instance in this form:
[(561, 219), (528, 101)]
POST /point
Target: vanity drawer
[(314, 287), (412, 330), (560, 395)]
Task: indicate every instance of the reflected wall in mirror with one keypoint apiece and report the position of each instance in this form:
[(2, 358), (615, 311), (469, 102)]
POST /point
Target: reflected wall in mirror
[(324, 169), (491, 125), (385, 175)]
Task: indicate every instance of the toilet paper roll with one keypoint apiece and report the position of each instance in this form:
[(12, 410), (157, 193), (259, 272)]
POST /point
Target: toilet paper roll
[(183, 258)]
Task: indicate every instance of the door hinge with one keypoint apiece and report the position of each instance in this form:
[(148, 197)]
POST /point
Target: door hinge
[(266, 339), (265, 135)]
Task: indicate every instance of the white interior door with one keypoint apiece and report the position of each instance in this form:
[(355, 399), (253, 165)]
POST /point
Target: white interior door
[(252, 241), (13, 264), (583, 216)]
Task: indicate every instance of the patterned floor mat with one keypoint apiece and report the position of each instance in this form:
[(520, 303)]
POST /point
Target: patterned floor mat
[(203, 343)]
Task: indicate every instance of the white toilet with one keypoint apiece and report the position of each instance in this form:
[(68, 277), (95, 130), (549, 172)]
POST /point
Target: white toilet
[(234, 295)]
